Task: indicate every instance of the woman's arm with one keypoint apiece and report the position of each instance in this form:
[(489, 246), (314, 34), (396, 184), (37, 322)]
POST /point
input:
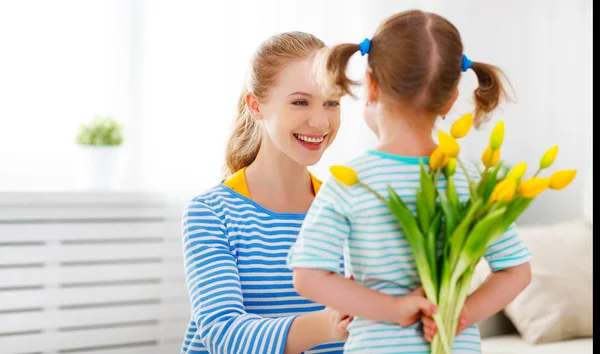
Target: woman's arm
[(346, 296), (217, 302), (309, 330)]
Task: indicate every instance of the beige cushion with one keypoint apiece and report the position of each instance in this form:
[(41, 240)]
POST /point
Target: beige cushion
[(513, 344), (557, 305)]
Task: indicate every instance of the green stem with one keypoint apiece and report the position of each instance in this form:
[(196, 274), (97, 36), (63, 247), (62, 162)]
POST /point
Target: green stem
[(442, 343), (436, 176), (460, 298), (374, 192), (469, 180), (537, 172)]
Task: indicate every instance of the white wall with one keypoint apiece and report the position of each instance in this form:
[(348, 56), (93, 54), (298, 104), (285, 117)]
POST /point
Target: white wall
[(172, 71), (545, 49)]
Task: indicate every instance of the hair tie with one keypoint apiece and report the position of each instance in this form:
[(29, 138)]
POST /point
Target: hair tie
[(466, 63), (365, 46)]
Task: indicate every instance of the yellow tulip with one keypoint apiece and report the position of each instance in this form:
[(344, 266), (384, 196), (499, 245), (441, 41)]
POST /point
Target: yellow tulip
[(561, 179), (533, 186), (497, 136), (504, 191), (517, 172), (344, 175), (451, 166), (548, 158), (437, 160), (448, 144), (462, 126), (490, 157)]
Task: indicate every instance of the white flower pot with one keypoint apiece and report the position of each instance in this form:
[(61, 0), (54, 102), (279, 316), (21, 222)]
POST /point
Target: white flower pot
[(98, 167)]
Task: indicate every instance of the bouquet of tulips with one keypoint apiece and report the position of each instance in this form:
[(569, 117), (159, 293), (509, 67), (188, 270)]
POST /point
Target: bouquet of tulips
[(466, 227)]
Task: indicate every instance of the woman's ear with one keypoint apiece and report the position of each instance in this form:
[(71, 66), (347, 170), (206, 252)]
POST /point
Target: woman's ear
[(372, 88), (450, 103), (253, 106)]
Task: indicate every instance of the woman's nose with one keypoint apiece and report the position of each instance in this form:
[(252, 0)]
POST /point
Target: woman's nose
[(319, 120)]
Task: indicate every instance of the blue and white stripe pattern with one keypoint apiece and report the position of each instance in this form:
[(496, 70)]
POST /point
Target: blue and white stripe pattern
[(352, 221), (241, 291)]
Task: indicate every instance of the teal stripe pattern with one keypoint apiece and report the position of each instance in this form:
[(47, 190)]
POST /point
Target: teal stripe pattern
[(350, 221)]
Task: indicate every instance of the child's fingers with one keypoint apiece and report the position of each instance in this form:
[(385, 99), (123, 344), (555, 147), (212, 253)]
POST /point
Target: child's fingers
[(428, 322), (428, 335), (344, 324), (425, 306)]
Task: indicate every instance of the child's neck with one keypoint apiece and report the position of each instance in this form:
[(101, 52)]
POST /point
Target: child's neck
[(406, 134)]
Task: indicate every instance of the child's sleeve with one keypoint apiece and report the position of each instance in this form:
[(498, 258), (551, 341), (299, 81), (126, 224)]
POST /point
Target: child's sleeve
[(324, 230), (507, 251)]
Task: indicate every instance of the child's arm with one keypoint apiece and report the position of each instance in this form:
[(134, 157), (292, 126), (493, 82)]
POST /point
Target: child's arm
[(497, 291), (346, 296)]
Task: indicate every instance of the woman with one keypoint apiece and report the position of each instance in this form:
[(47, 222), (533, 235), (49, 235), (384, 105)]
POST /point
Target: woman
[(236, 236)]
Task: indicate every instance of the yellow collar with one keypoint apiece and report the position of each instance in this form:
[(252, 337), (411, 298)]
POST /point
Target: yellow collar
[(238, 183)]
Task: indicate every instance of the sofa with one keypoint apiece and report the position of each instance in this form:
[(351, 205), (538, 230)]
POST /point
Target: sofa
[(554, 314)]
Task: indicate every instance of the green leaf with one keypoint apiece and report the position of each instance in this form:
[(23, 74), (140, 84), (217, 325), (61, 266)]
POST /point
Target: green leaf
[(460, 233), (478, 240), (432, 236), (483, 234), (490, 182), (100, 131), (451, 191), (423, 212), (427, 188), (450, 213), (416, 241), (516, 207)]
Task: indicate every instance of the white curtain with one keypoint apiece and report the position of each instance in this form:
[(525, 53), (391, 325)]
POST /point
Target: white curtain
[(172, 72), (61, 62), (194, 59)]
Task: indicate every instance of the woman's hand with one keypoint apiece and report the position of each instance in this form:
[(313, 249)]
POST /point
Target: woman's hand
[(336, 323), (413, 306), (430, 329)]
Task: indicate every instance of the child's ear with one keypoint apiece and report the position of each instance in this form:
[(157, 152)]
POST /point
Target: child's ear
[(253, 106), (450, 103), (372, 88)]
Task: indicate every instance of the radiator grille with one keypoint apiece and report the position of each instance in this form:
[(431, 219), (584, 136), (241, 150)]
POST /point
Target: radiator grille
[(102, 279)]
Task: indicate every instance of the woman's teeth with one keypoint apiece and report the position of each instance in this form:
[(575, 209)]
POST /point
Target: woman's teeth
[(309, 139)]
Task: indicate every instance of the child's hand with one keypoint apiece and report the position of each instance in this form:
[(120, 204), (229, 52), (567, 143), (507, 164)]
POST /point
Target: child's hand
[(413, 306), (430, 329)]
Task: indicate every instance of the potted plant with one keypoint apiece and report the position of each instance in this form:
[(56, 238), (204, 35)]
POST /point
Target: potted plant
[(100, 142)]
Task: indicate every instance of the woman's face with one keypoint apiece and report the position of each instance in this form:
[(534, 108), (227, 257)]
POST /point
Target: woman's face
[(297, 116)]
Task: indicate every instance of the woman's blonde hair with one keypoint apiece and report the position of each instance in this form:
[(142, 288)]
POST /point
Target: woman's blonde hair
[(271, 56)]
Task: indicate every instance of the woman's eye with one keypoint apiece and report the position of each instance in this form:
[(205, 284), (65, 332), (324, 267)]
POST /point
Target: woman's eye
[(300, 103), (332, 103)]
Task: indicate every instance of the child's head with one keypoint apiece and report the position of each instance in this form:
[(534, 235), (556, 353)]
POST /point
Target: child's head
[(415, 60), (281, 108)]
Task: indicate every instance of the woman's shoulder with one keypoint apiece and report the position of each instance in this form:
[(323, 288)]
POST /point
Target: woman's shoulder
[(213, 199)]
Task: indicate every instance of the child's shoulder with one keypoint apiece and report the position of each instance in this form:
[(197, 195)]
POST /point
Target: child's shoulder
[(364, 161)]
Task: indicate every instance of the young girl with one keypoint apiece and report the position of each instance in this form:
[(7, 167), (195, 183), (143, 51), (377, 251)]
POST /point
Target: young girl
[(415, 61)]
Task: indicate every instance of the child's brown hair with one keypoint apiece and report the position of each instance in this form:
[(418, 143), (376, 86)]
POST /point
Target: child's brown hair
[(417, 57)]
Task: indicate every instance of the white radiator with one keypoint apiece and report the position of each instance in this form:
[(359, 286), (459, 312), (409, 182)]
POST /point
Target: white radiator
[(90, 273)]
